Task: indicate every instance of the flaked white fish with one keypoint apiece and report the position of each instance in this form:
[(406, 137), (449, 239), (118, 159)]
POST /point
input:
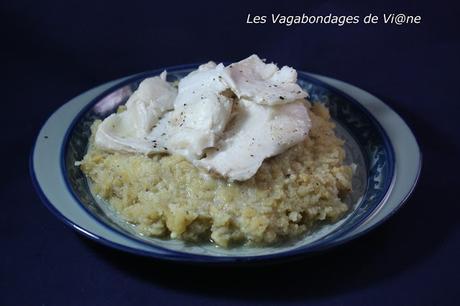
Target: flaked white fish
[(223, 119)]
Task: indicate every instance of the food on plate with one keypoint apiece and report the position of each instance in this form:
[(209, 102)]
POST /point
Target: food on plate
[(235, 154)]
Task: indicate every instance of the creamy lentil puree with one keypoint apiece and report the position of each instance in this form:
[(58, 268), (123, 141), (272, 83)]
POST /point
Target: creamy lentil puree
[(166, 196)]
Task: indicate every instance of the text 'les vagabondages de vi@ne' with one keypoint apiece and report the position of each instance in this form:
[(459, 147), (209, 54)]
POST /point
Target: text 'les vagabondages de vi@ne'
[(398, 19)]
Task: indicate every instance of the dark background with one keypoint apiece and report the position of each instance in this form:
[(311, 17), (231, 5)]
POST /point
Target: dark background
[(53, 50)]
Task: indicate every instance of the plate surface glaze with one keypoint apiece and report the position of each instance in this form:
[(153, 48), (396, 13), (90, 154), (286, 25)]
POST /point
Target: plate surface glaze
[(361, 119)]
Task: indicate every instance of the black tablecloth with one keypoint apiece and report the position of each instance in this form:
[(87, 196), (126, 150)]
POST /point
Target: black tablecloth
[(52, 51)]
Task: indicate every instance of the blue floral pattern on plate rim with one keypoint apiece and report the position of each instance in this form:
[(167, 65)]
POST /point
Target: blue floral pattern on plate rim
[(371, 137)]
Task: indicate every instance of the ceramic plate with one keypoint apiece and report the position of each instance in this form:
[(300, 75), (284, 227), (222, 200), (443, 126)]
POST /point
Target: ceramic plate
[(377, 141)]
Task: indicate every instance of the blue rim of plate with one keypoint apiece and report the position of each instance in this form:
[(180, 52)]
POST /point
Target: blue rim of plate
[(183, 256)]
